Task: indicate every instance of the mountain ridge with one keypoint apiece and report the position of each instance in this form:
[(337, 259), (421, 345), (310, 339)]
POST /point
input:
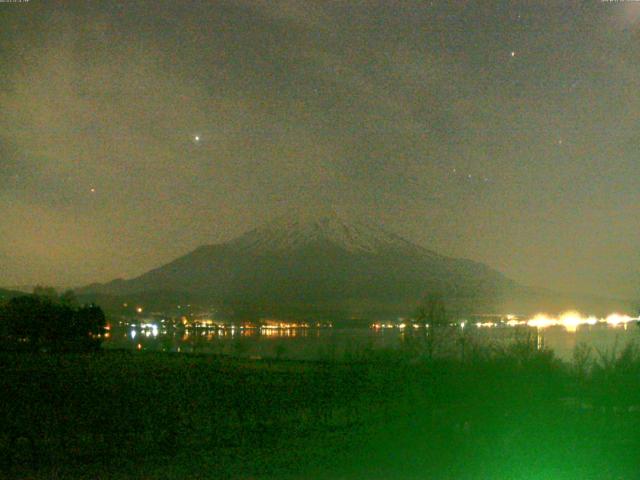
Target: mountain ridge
[(328, 266), (318, 262), (288, 232)]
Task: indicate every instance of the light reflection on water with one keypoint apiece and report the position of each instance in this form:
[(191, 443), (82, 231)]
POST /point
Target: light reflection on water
[(336, 343)]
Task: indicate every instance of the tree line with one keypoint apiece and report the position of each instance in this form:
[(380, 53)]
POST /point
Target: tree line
[(46, 321)]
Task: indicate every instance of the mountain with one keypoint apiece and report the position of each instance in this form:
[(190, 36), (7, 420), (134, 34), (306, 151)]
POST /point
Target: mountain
[(320, 265)]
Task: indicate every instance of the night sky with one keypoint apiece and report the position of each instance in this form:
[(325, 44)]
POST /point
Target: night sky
[(506, 132)]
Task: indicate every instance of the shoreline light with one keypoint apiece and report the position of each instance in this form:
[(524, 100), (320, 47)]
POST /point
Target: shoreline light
[(571, 320), (616, 319), (541, 320)]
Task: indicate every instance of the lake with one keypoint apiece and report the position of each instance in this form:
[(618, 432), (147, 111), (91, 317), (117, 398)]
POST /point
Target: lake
[(343, 343)]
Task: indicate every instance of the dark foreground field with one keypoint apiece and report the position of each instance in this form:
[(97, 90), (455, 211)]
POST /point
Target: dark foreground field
[(508, 414)]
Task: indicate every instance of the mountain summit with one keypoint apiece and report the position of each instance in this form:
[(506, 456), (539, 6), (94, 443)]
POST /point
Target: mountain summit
[(308, 264), (294, 233)]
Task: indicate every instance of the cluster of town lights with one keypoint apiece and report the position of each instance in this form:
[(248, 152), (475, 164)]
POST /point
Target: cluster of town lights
[(570, 321)]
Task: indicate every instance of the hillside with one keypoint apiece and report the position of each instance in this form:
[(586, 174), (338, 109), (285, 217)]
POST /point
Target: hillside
[(312, 265)]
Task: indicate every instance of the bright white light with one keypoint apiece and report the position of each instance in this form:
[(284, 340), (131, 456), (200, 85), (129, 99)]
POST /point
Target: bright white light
[(542, 321), (571, 321), (591, 321), (616, 319), (485, 325)]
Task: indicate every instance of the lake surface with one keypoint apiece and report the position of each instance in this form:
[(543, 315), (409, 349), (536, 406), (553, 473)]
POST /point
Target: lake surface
[(344, 343)]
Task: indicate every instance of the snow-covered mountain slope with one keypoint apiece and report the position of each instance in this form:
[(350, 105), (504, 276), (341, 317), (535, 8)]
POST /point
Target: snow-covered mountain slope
[(316, 261), (293, 233)]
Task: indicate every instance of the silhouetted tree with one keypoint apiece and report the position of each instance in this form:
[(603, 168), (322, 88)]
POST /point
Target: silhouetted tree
[(45, 292), (431, 316), (89, 323), (432, 311), (44, 321), (69, 299)]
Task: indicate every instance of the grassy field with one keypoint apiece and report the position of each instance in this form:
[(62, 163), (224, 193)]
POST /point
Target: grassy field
[(510, 413)]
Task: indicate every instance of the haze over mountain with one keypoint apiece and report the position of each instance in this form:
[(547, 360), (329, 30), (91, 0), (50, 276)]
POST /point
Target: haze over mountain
[(318, 263)]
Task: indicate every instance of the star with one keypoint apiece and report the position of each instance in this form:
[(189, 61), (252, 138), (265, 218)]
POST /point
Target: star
[(196, 138)]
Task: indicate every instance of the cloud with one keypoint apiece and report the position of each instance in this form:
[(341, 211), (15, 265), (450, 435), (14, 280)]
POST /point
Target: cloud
[(366, 106)]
